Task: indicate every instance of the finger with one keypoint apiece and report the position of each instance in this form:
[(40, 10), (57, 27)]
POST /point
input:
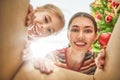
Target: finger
[(49, 66), (28, 23), (99, 62), (101, 54), (102, 62), (43, 66), (33, 17), (49, 70), (25, 52), (30, 8), (96, 61), (61, 65), (29, 16), (99, 66), (38, 64), (29, 19)]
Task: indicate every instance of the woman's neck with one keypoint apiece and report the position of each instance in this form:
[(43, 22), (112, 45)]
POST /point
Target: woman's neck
[(74, 59)]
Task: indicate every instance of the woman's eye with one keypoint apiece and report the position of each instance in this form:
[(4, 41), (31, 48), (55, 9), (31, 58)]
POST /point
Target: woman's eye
[(74, 30), (88, 31)]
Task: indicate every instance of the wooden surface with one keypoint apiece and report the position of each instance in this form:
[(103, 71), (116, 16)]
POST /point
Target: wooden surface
[(12, 35)]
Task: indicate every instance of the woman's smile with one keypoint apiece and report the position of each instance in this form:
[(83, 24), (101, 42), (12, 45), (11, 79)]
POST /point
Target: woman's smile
[(80, 44)]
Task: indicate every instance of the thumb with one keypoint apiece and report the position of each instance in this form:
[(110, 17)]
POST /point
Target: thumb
[(59, 64)]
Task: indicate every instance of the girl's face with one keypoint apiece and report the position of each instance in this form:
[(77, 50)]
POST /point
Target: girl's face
[(45, 24), (81, 34)]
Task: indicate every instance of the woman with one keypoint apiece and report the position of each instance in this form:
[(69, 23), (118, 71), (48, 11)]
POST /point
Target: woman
[(44, 21), (82, 32)]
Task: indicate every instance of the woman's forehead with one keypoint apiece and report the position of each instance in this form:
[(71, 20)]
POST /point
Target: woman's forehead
[(82, 21)]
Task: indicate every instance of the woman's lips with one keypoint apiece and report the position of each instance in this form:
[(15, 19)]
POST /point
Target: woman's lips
[(80, 44)]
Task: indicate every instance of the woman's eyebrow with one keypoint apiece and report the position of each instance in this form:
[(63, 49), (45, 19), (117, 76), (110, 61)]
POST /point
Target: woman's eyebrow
[(88, 26), (76, 26)]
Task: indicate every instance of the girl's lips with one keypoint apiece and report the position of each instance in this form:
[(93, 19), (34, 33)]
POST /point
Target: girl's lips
[(35, 31)]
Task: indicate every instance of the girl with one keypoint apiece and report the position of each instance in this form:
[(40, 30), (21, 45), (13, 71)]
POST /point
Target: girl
[(44, 21)]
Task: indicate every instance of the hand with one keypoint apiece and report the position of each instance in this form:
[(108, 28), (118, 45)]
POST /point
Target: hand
[(26, 52), (100, 60), (59, 64), (30, 16), (44, 65)]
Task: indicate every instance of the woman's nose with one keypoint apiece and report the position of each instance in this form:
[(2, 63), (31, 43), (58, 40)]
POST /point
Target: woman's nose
[(80, 35)]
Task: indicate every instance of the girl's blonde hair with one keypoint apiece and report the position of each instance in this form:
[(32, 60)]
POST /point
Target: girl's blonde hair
[(53, 9)]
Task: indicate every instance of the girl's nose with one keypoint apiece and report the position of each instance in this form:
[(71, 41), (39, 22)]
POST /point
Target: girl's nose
[(44, 28)]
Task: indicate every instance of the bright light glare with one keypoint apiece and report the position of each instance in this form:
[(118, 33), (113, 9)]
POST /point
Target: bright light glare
[(44, 46)]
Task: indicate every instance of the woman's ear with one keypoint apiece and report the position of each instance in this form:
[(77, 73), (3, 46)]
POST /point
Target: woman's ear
[(96, 37)]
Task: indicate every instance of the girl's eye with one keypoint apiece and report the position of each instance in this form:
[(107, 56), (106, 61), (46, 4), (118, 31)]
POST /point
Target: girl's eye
[(49, 30), (46, 19)]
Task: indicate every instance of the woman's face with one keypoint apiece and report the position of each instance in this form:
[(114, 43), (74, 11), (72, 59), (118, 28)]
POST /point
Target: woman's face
[(81, 34), (45, 24)]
